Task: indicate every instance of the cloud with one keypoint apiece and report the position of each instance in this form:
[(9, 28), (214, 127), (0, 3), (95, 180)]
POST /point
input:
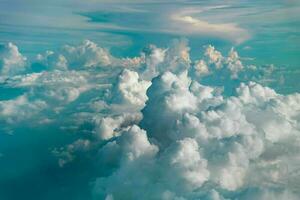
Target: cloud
[(162, 125), (216, 61), (68, 154), (207, 144), (187, 24), (59, 86), (51, 60), (20, 108), (88, 54), (12, 62), (109, 127), (173, 18), (130, 89)]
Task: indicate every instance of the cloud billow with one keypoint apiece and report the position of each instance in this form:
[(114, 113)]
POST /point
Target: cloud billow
[(158, 129)]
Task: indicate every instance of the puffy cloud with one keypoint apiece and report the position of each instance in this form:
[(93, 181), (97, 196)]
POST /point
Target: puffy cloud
[(109, 127), (20, 108), (158, 129), (179, 168), (169, 98), (45, 94), (255, 93), (134, 144), (214, 57), (223, 70), (154, 61), (134, 153), (177, 57), (52, 60), (183, 159), (153, 58), (130, 89), (209, 144), (88, 54), (201, 68), (234, 63), (59, 86), (12, 62)]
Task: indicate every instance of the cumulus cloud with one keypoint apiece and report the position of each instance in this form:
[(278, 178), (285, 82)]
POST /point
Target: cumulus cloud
[(59, 86), (213, 61), (52, 60), (20, 108), (110, 127), (207, 142), (88, 54), (161, 125), (130, 89), (12, 62)]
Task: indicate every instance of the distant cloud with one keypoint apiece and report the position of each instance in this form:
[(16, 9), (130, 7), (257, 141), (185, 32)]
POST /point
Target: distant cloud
[(12, 62), (184, 23)]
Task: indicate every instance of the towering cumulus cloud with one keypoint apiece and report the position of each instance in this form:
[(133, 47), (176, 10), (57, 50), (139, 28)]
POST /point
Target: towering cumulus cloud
[(207, 145), (163, 126)]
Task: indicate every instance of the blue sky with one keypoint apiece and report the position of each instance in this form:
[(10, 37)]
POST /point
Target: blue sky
[(149, 99)]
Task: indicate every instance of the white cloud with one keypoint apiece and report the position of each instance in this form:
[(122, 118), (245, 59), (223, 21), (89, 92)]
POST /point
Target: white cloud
[(183, 160), (201, 68), (213, 140), (20, 108), (183, 22), (12, 62), (170, 137), (52, 60), (61, 86), (88, 54), (130, 89), (109, 127)]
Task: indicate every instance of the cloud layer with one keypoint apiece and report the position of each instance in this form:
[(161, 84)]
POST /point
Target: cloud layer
[(163, 126)]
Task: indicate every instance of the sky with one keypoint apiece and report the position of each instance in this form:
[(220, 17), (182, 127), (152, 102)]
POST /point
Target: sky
[(149, 99)]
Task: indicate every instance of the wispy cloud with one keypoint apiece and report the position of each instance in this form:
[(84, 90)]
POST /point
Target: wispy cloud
[(183, 22)]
